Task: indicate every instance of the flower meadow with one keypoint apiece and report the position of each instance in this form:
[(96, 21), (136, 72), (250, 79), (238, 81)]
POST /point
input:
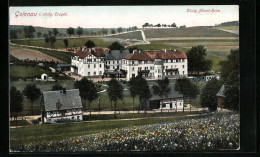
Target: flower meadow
[(213, 133)]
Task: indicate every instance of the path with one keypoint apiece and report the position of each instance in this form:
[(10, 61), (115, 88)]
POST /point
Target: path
[(230, 31), (192, 38)]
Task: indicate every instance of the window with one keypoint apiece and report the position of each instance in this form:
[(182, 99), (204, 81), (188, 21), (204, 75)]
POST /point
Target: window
[(94, 73), (100, 72), (108, 62), (171, 60), (117, 62), (113, 62), (133, 68), (183, 72), (88, 73), (151, 68), (133, 62), (140, 62), (78, 117), (183, 66), (166, 67), (94, 65), (100, 65), (88, 65), (94, 60), (159, 70)]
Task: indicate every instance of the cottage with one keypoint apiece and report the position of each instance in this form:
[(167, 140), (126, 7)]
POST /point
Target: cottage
[(208, 76), (220, 96), (61, 105), (174, 100)]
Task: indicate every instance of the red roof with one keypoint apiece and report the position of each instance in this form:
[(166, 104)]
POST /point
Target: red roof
[(98, 52), (156, 54)]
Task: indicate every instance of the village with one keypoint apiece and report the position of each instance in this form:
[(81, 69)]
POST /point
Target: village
[(124, 89)]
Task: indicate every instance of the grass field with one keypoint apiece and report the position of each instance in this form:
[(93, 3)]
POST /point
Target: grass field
[(72, 42), (130, 35), (18, 71), (215, 62), (60, 131), (227, 27), (187, 32)]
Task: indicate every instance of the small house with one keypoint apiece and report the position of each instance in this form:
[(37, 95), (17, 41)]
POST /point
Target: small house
[(208, 76), (174, 100), (61, 105)]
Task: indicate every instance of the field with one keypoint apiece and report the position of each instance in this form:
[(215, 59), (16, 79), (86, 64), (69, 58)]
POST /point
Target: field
[(187, 32), (130, 35), (59, 44), (201, 133), (26, 53), (227, 27), (17, 71)]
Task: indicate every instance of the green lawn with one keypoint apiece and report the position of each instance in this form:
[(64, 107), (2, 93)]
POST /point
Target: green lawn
[(19, 123), (131, 35), (187, 32), (60, 131), (215, 61), (72, 42), (22, 71), (228, 27)]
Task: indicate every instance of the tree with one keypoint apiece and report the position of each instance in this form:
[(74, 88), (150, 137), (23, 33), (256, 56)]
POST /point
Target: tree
[(88, 90), (39, 34), (32, 93), (104, 31), (16, 102), (208, 96), (119, 30), (113, 31), (185, 87), (50, 33), (133, 89), (56, 87), (28, 32), (184, 26), (66, 43), (90, 44), (79, 31), (196, 58), (230, 73), (115, 46), (47, 40), (55, 32), (143, 92), (52, 41), (162, 88), (115, 91), (135, 28), (70, 31), (13, 34), (131, 49), (173, 25)]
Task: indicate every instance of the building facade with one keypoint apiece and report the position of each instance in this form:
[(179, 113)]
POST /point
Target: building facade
[(61, 105), (156, 64), (88, 62)]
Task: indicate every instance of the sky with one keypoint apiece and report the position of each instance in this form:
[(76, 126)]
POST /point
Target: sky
[(122, 16)]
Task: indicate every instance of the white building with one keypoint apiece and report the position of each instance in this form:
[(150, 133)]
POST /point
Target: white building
[(156, 64), (88, 62), (61, 105)]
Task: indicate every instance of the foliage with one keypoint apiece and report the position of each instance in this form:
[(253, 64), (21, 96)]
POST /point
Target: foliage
[(39, 34), (32, 93), (230, 73), (52, 41), (79, 31), (70, 31), (187, 88), (196, 58), (162, 88), (56, 87), (173, 25), (113, 31), (87, 89), (119, 30), (13, 34), (90, 44), (55, 32), (208, 96), (143, 91), (114, 91), (16, 101), (133, 88), (116, 46), (66, 43), (28, 32)]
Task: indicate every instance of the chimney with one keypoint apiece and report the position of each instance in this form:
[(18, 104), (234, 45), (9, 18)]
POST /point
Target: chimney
[(165, 50), (174, 50), (139, 51)]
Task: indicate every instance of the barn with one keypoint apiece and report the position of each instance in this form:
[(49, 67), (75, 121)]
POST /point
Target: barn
[(61, 105)]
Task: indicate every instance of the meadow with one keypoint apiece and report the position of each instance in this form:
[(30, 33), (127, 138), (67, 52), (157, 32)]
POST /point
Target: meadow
[(227, 27), (187, 32), (200, 133), (130, 35)]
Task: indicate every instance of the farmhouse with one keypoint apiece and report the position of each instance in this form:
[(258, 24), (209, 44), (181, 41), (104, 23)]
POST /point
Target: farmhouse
[(156, 64), (88, 62), (61, 105), (174, 100), (220, 96)]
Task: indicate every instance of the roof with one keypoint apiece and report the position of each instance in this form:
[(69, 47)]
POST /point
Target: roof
[(68, 100), (156, 54), (98, 52), (221, 91), (116, 54), (172, 94)]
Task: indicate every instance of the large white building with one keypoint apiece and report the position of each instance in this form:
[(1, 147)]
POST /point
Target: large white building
[(152, 64), (88, 62), (156, 63)]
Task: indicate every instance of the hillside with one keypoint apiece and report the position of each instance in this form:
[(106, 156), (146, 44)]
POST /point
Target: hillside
[(187, 32), (130, 35)]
